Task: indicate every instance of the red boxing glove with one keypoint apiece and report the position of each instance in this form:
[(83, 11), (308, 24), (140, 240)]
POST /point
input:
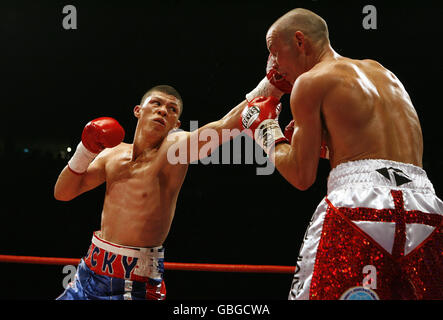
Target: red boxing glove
[(261, 116), (289, 131), (275, 77), (98, 134), (102, 133), (274, 84)]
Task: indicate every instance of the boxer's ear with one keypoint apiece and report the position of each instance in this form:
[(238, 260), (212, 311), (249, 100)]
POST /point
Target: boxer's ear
[(178, 124), (299, 39), (137, 111)]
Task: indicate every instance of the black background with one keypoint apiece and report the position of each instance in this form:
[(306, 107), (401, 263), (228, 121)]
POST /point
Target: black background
[(55, 80)]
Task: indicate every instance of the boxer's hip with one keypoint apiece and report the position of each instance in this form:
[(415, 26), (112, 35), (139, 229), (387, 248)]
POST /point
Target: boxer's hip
[(131, 263), (379, 173), (114, 272), (377, 213), (381, 197)]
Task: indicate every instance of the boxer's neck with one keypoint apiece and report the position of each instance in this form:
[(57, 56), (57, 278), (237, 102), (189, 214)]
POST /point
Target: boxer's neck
[(144, 143), (327, 53)]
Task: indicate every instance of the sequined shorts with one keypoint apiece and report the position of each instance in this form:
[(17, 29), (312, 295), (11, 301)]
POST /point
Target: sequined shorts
[(113, 272), (378, 234)]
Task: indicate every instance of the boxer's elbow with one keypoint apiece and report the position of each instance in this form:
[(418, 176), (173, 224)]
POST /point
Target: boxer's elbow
[(302, 182), (307, 174), (60, 196), (299, 179), (305, 186), (300, 174)]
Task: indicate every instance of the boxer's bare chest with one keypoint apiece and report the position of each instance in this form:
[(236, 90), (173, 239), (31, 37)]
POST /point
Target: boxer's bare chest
[(139, 175), (135, 195)]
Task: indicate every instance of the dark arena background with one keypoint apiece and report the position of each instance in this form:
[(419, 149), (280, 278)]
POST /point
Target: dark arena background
[(55, 80)]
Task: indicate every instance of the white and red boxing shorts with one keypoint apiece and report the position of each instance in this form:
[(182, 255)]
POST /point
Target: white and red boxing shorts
[(114, 272), (377, 235)]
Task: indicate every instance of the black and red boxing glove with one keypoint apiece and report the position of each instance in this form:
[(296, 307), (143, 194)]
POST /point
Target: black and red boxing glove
[(98, 134), (274, 84), (261, 117)]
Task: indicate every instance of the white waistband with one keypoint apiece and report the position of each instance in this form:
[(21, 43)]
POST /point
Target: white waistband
[(379, 172), (134, 252)]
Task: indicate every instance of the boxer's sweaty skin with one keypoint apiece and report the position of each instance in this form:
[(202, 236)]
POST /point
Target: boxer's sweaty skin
[(362, 107), (368, 114), (142, 186), (140, 197)]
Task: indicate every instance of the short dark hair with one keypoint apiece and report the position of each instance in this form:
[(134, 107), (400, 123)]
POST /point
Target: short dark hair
[(167, 90)]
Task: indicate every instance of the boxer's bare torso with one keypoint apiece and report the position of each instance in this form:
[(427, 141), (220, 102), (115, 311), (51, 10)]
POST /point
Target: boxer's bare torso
[(360, 109), (367, 113), (141, 196), (142, 185)]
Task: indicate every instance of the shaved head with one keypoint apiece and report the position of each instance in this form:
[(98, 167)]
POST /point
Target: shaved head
[(297, 41), (310, 24)]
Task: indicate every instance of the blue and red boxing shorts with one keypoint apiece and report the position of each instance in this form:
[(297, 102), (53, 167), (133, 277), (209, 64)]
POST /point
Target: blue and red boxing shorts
[(114, 272)]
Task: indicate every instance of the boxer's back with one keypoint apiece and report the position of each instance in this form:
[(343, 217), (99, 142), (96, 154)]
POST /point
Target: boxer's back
[(368, 114)]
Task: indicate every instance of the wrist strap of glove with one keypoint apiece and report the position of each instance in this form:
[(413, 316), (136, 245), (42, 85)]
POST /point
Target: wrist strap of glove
[(81, 159), (268, 134)]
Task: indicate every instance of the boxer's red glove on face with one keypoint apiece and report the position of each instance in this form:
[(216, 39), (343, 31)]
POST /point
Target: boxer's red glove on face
[(275, 77), (97, 135), (274, 84), (261, 117)]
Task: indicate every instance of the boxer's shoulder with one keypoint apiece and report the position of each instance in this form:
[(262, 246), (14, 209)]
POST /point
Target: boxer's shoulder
[(175, 134), (326, 72), (339, 73), (174, 137), (112, 157), (336, 70), (116, 151), (349, 67), (316, 81)]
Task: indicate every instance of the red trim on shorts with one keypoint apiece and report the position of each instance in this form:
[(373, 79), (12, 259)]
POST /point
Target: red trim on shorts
[(74, 172), (114, 244)]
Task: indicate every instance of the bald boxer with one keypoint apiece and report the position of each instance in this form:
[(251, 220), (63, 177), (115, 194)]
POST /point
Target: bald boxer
[(125, 258), (378, 233)]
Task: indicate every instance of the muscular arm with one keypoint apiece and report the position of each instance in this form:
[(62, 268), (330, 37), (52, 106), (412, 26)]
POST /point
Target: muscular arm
[(70, 185), (210, 135), (298, 162)]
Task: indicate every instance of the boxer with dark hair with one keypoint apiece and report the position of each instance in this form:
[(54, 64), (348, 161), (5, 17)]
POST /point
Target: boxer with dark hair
[(125, 259), (381, 212)]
